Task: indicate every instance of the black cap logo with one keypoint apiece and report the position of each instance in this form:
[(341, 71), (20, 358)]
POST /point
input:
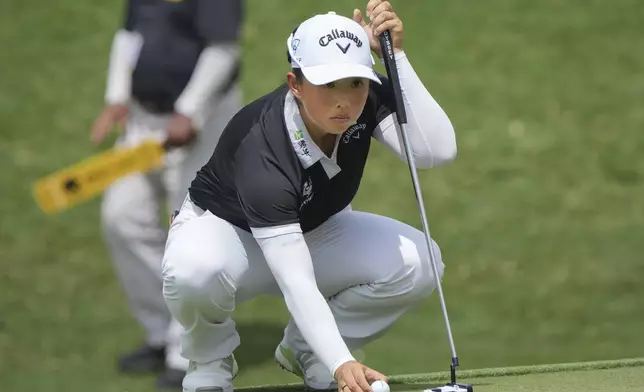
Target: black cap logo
[(337, 34)]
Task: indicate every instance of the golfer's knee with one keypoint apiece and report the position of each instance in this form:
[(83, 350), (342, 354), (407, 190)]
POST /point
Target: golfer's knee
[(192, 277), (414, 280), (420, 276)]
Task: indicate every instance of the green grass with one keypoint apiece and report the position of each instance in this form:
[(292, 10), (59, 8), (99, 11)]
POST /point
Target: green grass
[(583, 376), (539, 218), (597, 380)]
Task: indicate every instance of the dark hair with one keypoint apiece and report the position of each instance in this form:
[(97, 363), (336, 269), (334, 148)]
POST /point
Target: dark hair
[(299, 76)]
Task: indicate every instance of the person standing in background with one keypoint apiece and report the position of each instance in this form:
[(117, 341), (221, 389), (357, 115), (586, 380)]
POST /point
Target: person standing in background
[(173, 76)]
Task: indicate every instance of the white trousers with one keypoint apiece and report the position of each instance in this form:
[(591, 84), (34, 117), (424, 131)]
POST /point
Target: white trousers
[(131, 214), (372, 269)]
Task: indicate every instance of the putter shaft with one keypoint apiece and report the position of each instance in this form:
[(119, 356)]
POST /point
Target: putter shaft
[(432, 257), (388, 55)]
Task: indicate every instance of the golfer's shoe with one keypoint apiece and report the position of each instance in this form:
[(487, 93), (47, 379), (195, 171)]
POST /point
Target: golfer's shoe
[(306, 366), (215, 376)]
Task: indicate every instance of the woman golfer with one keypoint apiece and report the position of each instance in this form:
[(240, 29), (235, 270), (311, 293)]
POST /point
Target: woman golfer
[(270, 212)]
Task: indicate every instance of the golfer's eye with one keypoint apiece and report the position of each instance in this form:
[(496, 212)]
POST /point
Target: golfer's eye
[(357, 83), (330, 85)]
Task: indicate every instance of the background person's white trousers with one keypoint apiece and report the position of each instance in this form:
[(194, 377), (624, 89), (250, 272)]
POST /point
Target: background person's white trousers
[(131, 214), (373, 269)]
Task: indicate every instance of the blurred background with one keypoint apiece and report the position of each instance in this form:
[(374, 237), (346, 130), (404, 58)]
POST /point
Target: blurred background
[(539, 218)]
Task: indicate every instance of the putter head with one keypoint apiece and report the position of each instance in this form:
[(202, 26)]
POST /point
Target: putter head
[(453, 388)]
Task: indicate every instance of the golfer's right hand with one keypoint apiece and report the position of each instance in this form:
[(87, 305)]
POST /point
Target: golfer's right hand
[(355, 377), (111, 116)]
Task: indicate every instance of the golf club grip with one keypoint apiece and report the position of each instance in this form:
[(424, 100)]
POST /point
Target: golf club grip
[(386, 46)]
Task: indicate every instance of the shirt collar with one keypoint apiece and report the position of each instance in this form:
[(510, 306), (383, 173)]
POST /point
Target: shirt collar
[(307, 151)]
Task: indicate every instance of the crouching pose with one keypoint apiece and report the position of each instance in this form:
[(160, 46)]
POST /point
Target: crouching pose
[(270, 213)]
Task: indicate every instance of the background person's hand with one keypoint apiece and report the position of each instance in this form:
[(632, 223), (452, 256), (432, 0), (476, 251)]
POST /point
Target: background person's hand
[(381, 18), (180, 131), (353, 376), (113, 115)]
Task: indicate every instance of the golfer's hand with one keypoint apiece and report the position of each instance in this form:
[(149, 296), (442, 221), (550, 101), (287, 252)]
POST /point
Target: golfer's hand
[(180, 131), (382, 18), (355, 377), (111, 116)]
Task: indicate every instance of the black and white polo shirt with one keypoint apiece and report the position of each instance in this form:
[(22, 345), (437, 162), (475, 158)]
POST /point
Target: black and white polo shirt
[(267, 174)]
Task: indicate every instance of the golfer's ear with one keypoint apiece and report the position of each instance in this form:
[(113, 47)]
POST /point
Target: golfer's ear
[(293, 84)]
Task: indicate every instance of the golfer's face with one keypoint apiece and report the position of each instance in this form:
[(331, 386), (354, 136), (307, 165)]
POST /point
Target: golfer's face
[(336, 105)]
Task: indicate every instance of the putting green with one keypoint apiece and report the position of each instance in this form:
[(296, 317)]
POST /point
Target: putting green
[(588, 380), (625, 374), (631, 379)]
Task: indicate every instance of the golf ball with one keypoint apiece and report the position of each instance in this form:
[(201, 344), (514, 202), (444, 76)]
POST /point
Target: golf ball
[(380, 386)]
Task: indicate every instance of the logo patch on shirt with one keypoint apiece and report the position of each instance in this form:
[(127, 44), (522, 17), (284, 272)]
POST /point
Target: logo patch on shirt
[(353, 132), (304, 149), (307, 193)]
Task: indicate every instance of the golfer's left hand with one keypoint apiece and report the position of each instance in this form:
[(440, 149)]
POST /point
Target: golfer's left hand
[(382, 17), (353, 376), (180, 131)]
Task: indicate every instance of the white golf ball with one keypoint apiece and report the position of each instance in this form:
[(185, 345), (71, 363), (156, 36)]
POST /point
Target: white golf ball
[(380, 386)]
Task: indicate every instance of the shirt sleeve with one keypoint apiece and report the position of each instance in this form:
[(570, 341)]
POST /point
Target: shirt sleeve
[(216, 65), (219, 21), (431, 134), (124, 54), (289, 259), (267, 190)]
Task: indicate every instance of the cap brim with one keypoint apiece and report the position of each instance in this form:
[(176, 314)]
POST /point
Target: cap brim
[(327, 73)]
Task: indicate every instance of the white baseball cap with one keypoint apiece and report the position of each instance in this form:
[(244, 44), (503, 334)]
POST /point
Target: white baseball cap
[(329, 47)]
